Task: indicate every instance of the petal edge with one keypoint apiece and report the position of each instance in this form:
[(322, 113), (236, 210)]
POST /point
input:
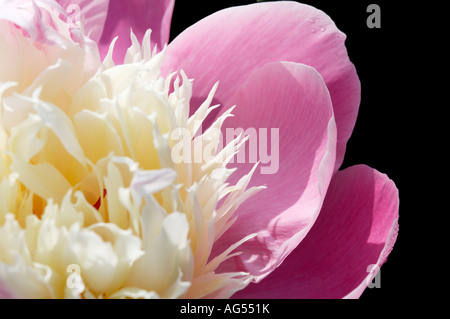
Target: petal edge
[(350, 240)]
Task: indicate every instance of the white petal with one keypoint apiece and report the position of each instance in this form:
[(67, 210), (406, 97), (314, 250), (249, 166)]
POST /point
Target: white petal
[(35, 178), (152, 181), (62, 126)]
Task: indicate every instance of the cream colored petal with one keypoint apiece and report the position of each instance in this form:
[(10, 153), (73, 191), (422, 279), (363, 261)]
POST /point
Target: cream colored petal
[(117, 79), (168, 253), (90, 214), (197, 224), (13, 242), (141, 134), (32, 228), (125, 244), (178, 288), (68, 214), (195, 121), (16, 109), (24, 281), (62, 126), (96, 258), (96, 135), (24, 141), (152, 181), (161, 143), (108, 61), (24, 207), (43, 179), (117, 213), (126, 247), (184, 94), (133, 53), (21, 60), (146, 52), (52, 242), (89, 95), (51, 80), (8, 196), (134, 293)]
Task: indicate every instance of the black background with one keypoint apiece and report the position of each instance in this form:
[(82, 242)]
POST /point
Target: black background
[(394, 133), (383, 134)]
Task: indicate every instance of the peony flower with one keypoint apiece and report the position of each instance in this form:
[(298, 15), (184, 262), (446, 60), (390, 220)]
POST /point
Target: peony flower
[(95, 205)]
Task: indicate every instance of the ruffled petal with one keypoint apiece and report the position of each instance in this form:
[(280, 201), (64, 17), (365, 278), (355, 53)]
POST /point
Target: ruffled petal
[(92, 14), (351, 239), (38, 19), (136, 15), (228, 45), (287, 107)]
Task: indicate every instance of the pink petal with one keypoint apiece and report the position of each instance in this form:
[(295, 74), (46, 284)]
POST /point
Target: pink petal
[(293, 98), (136, 15), (228, 45), (92, 13), (4, 293), (35, 20), (354, 234)]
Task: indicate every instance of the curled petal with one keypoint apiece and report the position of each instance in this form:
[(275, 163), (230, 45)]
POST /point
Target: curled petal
[(45, 21), (92, 14), (288, 107), (228, 45), (349, 242)]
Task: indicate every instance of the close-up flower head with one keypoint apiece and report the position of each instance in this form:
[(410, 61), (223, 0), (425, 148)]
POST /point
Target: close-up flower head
[(133, 165)]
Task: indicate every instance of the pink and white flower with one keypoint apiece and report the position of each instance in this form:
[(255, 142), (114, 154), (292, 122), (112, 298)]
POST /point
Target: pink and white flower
[(86, 177)]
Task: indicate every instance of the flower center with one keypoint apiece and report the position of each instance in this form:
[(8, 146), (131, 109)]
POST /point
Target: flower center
[(94, 202)]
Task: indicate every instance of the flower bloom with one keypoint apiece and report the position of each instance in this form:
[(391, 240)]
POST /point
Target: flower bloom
[(94, 206)]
